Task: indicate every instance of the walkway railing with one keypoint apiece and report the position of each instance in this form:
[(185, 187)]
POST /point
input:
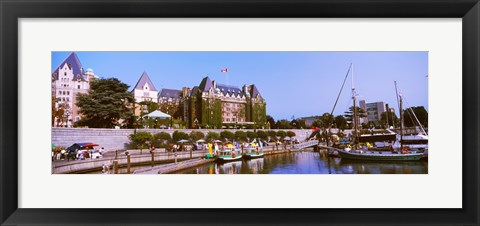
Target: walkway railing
[(306, 144)]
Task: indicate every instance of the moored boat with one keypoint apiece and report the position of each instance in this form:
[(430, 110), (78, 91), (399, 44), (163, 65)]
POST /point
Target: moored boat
[(380, 155), (228, 155), (252, 153)]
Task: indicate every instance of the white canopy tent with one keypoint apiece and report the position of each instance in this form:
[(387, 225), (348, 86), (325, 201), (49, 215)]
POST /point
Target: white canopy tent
[(157, 114)]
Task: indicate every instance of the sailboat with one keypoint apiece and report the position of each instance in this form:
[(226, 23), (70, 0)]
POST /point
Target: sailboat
[(362, 152)]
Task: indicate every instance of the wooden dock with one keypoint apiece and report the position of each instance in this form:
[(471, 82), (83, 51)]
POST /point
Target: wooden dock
[(173, 167)]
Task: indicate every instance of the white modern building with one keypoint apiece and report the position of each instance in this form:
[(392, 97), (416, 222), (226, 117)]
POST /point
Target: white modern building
[(374, 110)]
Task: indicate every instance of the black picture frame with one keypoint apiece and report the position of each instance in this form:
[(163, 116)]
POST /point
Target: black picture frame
[(11, 11)]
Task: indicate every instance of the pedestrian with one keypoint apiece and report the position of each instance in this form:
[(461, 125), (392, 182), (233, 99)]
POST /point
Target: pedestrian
[(102, 150), (216, 148), (68, 155), (63, 154), (76, 153), (174, 148)]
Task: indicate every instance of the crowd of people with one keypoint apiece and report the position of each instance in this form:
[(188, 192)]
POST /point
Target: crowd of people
[(77, 154)]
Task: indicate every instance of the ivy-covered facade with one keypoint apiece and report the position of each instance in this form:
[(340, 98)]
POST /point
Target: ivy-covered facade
[(212, 105)]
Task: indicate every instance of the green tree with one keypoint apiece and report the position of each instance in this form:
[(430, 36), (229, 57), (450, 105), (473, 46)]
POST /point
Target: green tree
[(392, 119), (227, 135), (196, 135), (282, 134), (361, 113), (54, 109), (272, 134), (262, 135), (177, 135), (240, 135), (421, 114), (147, 107), (341, 122), (141, 140), (161, 138), (298, 124), (283, 124), (251, 135), (326, 120), (61, 113), (211, 136), (271, 121), (291, 134), (107, 101)]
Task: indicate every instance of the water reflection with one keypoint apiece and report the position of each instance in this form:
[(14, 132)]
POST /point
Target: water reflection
[(309, 163)]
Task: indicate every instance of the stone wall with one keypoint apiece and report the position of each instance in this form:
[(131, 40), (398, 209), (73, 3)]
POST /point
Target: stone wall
[(116, 139)]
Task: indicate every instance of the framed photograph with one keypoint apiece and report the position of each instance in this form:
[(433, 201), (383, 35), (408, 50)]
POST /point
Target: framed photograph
[(225, 112)]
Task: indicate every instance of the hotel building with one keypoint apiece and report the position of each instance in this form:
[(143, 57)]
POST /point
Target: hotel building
[(69, 79)]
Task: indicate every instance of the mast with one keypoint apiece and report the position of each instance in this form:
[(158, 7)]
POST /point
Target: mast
[(355, 125), (399, 99), (386, 115), (336, 101)]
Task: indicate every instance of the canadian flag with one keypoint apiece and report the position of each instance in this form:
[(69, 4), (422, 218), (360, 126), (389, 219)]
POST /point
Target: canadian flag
[(224, 70)]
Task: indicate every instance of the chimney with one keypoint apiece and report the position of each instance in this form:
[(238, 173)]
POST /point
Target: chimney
[(185, 91)]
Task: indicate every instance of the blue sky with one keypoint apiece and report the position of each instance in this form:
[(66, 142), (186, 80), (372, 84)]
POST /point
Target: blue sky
[(293, 83)]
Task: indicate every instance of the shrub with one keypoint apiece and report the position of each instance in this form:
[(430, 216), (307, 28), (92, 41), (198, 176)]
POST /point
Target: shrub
[(177, 135), (240, 135), (251, 135), (227, 135), (141, 140), (196, 135), (211, 136)]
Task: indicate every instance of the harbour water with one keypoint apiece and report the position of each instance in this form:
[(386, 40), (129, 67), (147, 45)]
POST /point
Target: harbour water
[(308, 163)]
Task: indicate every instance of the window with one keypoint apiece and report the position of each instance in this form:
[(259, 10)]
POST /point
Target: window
[(68, 92), (78, 87), (64, 73)]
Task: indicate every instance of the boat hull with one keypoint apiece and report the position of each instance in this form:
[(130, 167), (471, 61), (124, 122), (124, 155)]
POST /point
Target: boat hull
[(228, 158), (253, 155), (380, 157)]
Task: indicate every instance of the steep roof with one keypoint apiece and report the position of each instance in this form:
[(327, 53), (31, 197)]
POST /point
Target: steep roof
[(145, 79), (205, 85), (254, 91), (173, 93), (73, 63), (193, 91), (224, 89)]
